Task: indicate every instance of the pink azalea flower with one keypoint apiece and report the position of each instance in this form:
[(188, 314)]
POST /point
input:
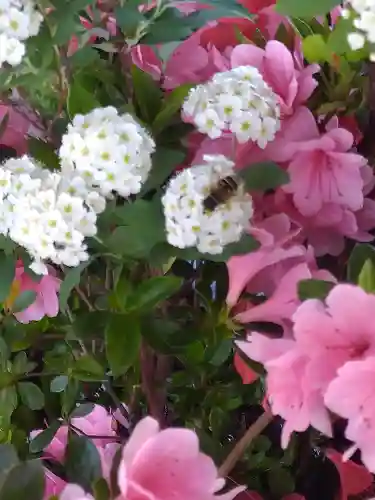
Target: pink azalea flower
[(322, 171), (336, 331), (97, 423), (291, 82), (351, 396), (281, 305), (53, 485), (275, 235), (75, 492), (326, 230), (167, 465), (289, 389), (46, 302)]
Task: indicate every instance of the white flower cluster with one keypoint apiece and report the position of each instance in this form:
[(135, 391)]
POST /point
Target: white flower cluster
[(108, 152), (38, 214), (236, 101), (364, 22), (189, 224), (19, 20)]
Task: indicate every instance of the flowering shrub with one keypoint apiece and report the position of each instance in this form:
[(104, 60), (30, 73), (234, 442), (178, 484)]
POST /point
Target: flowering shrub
[(187, 258)]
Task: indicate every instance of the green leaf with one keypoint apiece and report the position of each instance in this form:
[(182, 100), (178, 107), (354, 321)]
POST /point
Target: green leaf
[(80, 100), (171, 26), (306, 9), (58, 384), (122, 340), (8, 401), (25, 480), (8, 458), (43, 439), (71, 280), (360, 254), (222, 352), (82, 410), (31, 395), (263, 176), (143, 229), (86, 368), (82, 462), (281, 482), (164, 162), (153, 291), (7, 273), (44, 153), (171, 106), (129, 17), (315, 49), (366, 279), (147, 94), (7, 245), (314, 289), (101, 490), (23, 301), (338, 38)]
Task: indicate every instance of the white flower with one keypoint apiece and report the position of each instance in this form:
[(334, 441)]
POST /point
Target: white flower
[(363, 14), (356, 41), (111, 153), (41, 215), (189, 224), (227, 103), (19, 20)]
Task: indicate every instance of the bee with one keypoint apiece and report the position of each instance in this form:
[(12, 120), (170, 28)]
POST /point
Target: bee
[(220, 194)]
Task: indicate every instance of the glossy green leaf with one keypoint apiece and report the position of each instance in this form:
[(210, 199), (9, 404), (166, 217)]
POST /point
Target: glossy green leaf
[(59, 383), (171, 106), (315, 49), (122, 339), (314, 289), (164, 162), (43, 439), (153, 291), (366, 278), (31, 395), (129, 17), (360, 254), (7, 273), (263, 176), (80, 100), (281, 482), (147, 94), (8, 401), (25, 480), (23, 301), (8, 458), (87, 368), (71, 280), (306, 9), (82, 462), (44, 153), (143, 229)]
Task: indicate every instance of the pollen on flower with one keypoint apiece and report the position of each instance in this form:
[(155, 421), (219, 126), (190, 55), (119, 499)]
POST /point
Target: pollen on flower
[(189, 223), (232, 99)]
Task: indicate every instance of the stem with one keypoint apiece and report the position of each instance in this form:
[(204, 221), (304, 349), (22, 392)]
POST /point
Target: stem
[(85, 299), (152, 385), (108, 388), (252, 432)]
